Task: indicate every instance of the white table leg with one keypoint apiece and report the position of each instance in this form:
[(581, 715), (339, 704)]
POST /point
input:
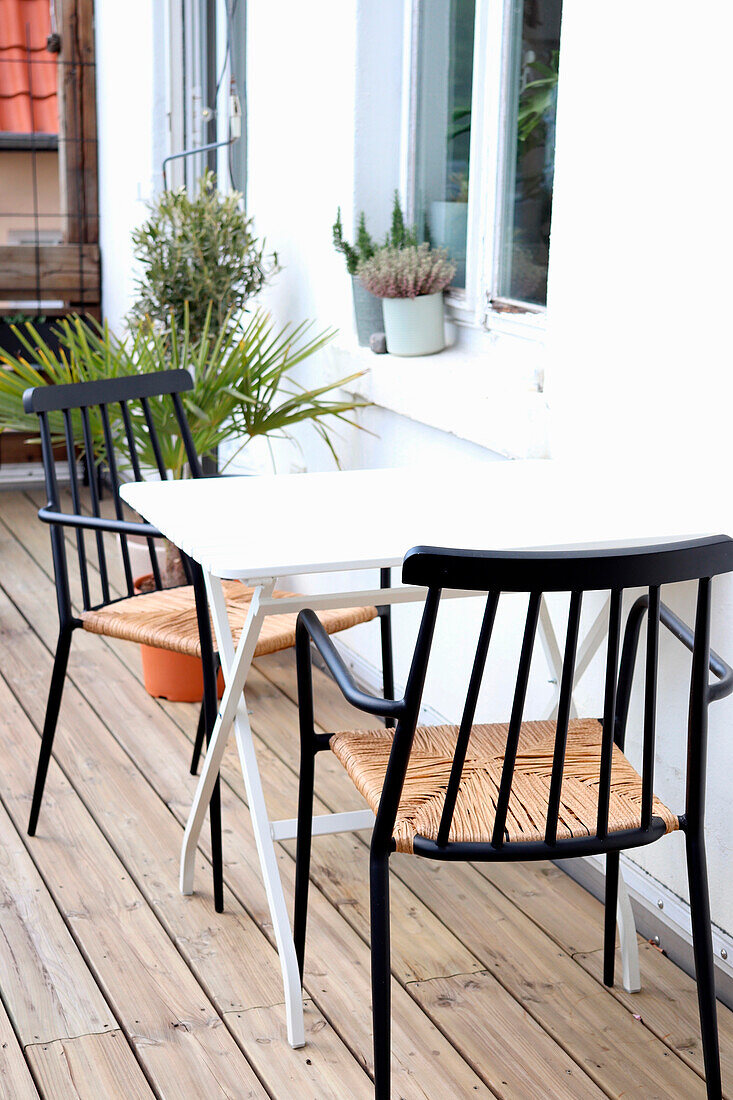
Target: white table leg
[(588, 650), (631, 975), (233, 711), (235, 669), (271, 878)]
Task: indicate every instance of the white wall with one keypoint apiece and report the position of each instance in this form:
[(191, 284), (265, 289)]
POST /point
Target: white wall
[(640, 268), (132, 130), (639, 304)]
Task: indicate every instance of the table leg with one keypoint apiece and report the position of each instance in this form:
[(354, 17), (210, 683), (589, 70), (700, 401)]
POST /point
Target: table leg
[(235, 667), (590, 646)]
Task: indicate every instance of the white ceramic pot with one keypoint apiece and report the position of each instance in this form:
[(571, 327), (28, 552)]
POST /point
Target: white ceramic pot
[(414, 326)]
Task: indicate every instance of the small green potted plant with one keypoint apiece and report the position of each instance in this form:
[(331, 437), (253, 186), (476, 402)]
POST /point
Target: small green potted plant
[(367, 308), (410, 281)]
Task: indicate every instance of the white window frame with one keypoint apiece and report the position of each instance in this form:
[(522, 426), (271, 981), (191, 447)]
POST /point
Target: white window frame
[(478, 305), (186, 81)]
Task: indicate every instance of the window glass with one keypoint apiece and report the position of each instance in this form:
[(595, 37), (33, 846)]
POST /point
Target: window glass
[(529, 150), (443, 125)]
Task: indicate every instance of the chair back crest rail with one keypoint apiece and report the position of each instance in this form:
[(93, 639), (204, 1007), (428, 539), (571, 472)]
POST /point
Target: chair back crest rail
[(575, 572), (99, 421)]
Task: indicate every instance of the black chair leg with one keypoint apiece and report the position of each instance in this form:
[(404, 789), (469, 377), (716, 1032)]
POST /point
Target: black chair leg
[(381, 999), (702, 943), (201, 730), (303, 851), (199, 742), (209, 708), (385, 626), (609, 928), (216, 848), (58, 677)]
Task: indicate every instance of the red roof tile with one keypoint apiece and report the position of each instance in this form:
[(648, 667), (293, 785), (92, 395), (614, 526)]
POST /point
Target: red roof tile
[(27, 91)]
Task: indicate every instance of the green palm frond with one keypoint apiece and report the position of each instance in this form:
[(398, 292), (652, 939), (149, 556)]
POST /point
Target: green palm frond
[(242, 370)]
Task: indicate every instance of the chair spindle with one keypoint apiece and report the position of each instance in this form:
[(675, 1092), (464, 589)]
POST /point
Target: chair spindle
[(650, 708), (112, 464), (563, 716), (609, 712), (469, 710), (76, 502), (137, 474), (154, 442), (515, 723), (93, 491)]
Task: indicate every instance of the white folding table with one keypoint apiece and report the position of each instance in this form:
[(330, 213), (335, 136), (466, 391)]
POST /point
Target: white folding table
[(261, 529)]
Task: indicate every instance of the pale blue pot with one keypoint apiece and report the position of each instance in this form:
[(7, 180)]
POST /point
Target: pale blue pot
[(414, 326)]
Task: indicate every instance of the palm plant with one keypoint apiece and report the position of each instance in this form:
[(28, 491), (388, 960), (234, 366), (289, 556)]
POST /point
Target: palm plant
[(242, 373)]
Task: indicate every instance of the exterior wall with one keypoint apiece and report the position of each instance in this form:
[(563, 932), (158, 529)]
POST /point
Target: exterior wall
[(132, 132), (640, 281), (637, 350)]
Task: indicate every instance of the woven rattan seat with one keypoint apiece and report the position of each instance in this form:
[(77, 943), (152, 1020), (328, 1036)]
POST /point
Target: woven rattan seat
[(364, 754), (167, 620)]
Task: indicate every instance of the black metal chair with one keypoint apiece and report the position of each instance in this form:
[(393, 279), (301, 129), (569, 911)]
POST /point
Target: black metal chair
[(85, 417), (526, 790), (96, 421)]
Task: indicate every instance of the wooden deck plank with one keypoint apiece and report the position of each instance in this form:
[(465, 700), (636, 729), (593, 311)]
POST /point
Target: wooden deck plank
[(416, 1043), (570, 915), (175, 1031), (616, 1050), (318, 1069), (234, 962), (499, 1036), (521, 894), (87, 1068), (345, 852), (422, 946), (667, 1003), (46, 985), (15, 1078)]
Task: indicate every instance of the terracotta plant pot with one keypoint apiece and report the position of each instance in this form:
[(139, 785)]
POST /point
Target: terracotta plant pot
[(169, 675), (174, 676)]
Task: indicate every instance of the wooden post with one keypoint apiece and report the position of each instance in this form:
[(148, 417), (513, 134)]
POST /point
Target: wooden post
[(78, 122)]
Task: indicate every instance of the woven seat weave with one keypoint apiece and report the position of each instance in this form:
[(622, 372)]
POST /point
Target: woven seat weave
[(167, 620), (364, 754)]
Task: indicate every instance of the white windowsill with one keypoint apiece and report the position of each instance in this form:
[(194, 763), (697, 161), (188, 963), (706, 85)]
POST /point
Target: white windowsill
[(486, 390)]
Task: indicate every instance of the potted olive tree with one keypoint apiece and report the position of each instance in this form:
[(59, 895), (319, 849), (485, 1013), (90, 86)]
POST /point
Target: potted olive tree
[(200, 265), (410, 282)]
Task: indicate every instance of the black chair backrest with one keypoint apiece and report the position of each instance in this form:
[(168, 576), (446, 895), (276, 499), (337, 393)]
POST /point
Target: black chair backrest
[(100, 422), (575, 572)]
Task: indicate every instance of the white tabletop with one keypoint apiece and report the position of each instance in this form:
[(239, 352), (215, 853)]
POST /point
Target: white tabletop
[(279, 525)]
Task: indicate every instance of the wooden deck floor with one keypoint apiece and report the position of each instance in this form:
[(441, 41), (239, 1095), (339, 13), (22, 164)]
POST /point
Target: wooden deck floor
[(113, 985)]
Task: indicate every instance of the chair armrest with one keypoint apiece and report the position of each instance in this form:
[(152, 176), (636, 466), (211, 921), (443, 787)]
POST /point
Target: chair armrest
[(371, 704), (683, 633), (96, 523)]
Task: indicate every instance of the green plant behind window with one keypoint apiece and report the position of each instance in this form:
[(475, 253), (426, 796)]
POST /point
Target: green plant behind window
[(198, 250)]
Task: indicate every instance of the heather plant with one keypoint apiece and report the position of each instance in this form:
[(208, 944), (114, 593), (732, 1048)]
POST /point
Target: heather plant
[(406, 272)]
